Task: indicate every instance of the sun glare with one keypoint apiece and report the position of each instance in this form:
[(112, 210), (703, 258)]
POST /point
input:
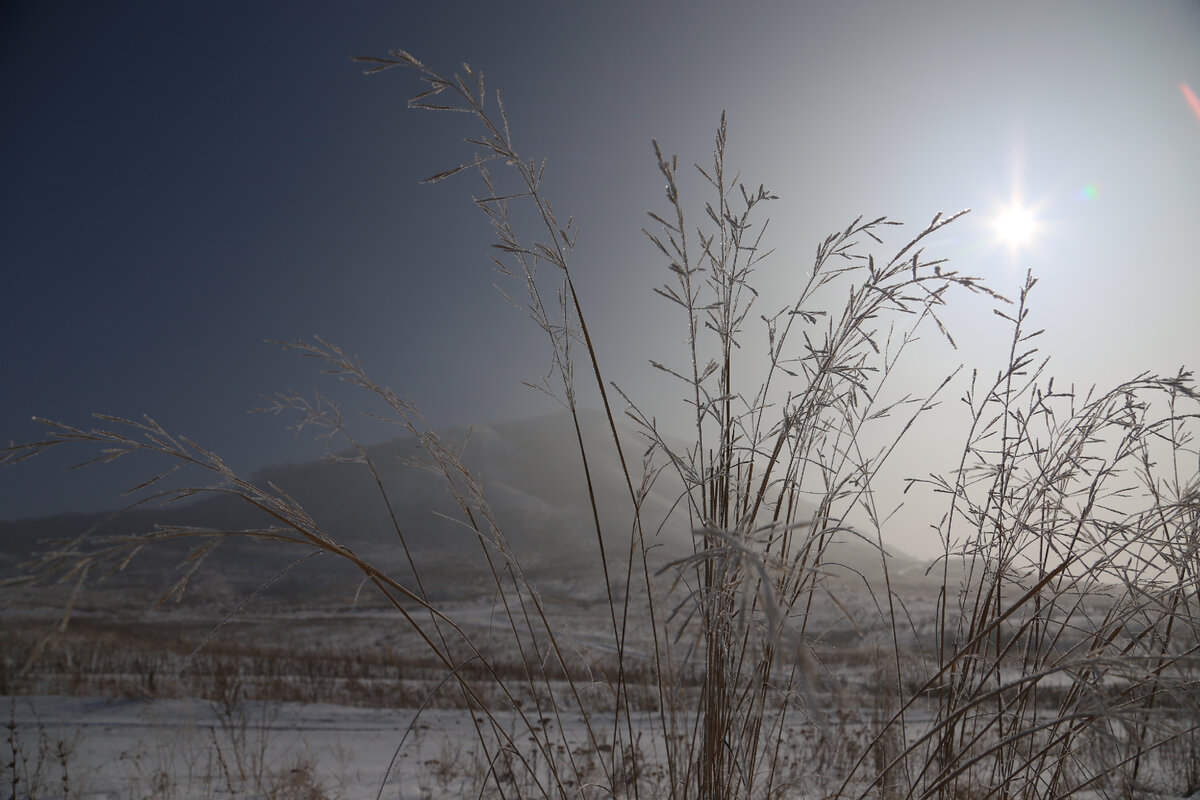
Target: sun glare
[(1015, 225)]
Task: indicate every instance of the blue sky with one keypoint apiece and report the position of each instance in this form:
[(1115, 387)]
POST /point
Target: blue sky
[(185, 180)]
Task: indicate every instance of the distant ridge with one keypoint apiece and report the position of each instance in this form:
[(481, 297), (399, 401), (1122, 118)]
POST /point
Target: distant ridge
[(532, 479)]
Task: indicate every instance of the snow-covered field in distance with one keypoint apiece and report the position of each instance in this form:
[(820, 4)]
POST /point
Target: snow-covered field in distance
[(120, 747)]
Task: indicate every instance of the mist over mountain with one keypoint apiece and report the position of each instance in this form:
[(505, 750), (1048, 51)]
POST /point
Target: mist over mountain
[(532, 480)]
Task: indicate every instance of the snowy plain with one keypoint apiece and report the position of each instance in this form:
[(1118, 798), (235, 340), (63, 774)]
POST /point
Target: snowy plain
[(134, 748)]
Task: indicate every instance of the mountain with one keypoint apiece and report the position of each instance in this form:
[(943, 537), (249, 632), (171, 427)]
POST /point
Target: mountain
[(532, 478), (533, 482)]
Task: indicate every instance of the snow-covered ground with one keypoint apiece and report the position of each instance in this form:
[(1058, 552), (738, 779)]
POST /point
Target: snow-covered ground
[(123, 748), (126, 749)]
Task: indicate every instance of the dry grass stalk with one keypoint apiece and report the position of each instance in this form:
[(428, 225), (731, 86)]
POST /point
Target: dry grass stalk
[(1058, 500)]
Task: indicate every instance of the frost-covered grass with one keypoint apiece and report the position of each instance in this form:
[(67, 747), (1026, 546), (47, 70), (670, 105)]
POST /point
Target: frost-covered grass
[(1055, 654)]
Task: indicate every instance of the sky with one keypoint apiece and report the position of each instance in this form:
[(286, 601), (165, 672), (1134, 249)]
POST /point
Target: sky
[(184, 181)]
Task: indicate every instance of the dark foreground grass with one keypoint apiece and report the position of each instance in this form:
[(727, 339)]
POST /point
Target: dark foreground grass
[(1061, 658)]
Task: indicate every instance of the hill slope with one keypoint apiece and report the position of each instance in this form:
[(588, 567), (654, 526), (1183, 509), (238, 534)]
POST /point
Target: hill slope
[(532, 479), (533, 483)]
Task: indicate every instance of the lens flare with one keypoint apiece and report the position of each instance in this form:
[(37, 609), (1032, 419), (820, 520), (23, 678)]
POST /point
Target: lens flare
[(1089, 191), (1191, 98)]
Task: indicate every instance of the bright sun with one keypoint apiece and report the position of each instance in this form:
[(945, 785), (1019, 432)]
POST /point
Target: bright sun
[(1015, 225)]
